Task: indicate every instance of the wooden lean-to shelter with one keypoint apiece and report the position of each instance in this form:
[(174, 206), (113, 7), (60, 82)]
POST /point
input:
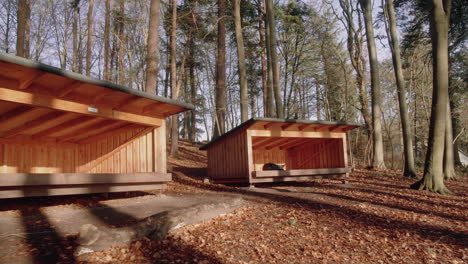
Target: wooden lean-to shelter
[(65, 133), (307, 149)]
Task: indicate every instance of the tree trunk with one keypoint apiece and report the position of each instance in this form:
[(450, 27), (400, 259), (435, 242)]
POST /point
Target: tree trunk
[(107, 41), (449, 161), (89, 42), (121, 42), (378, 157), (270, 92), (152, 55), (193, 94), (271, 35), (175, 92), (433, 178), (261, 44), (23, 29), (76, 13), (241, 62), (6, 40), (220, 89), (409, 169)]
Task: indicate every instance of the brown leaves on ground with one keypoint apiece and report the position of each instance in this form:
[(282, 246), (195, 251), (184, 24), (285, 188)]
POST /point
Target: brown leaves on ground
[(375, 218)]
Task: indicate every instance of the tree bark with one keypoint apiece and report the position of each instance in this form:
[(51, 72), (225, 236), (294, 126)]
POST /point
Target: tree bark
[(121, 24), (107, 41), (241, 62), (261, 44), (76, 13), (193, 94), (433, 178), (409, 169), (89, 41), (23, 28), (449, 160), (152, 55), (220, 89), (175, 92), (378, 157), (271, 35)]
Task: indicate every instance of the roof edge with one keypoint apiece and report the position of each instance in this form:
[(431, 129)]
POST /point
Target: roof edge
[(82, 78), (247, 123)]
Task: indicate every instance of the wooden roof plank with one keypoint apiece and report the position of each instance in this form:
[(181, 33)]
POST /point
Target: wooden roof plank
[(105, 134), (33, 123), (89, 129), (23, 85), (69, 106), (70, 88), (71, 124)]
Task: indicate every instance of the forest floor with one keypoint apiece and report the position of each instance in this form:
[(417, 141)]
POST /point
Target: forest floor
[(374, 218)]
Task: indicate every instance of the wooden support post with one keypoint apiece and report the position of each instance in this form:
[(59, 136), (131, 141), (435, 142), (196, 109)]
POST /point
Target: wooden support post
[(159, 148), (249, 155)]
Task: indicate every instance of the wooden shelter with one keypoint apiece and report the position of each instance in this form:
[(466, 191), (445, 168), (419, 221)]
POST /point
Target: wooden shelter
[(307, 149), (65, 133)]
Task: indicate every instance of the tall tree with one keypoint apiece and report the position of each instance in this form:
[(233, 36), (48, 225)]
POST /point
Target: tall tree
[(152, 55), (409, 169), (89, 42), (449, 160), (121, 50), (241, 61), (433, 178), (76, 13), (378, 157), (107, 41), (261, 44), (271, 36), (175, 91), (24, 28), (220, 89)]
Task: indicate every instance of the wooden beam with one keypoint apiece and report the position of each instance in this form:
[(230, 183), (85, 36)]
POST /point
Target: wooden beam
[(279, 143), (89, 129), (269, 124), (8, 83), (295, 178), (106, 134), (70, 88), (297, 134), (294, 143), (304, 126), (265, 143), (259, 140), (284, 127), (88, 167), (149, 108), (69, 106), (129, 101), (15, 112), (24, 84), (303, 172), (34, 123), (69, 125), (98, 97)]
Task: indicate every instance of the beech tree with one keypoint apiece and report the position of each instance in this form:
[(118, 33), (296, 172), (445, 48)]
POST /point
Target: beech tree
[(220, 88), (152, 55), (433, 177), (378, 156), (90, 36), (389, 11)]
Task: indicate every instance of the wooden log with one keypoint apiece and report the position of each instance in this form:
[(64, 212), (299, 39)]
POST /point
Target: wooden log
[(284, 173)]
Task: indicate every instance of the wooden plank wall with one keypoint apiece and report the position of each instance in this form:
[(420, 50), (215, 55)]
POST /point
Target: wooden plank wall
[(228, 160), (275, 155), (102, 156), (319, 154)]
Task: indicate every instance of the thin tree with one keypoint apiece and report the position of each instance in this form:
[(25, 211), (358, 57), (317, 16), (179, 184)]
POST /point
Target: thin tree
[(152, 55), (220, 88), (271, 36), (23, 28), (175, 92), (449, 159), (107, 41), (89, 41), (433, 178), (378, 157), (241, 61), (409, 169), (121, 25), (76, 13), (261, 44)]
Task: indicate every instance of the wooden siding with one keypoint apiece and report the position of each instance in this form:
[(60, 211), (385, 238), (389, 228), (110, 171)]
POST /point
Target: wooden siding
[(319, 154), (129, 151), (228, 159)]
